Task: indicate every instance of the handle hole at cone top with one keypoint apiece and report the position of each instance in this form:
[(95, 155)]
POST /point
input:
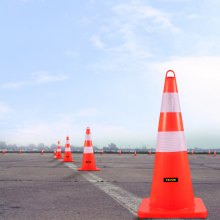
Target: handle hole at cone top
[(170, 73)]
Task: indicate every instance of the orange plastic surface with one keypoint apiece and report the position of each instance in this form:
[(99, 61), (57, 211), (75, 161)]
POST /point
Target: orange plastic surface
[(170, 121)]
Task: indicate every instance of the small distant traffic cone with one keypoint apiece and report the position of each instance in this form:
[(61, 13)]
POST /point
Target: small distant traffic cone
[(67, 152), (102, 153), (59, 153), (209, 152), (172, 191), (149, 152), (135, 153), (120, 152), (3, 151), (88, 160), (192, 152), (42, 151), (214, 154), (20, 151)]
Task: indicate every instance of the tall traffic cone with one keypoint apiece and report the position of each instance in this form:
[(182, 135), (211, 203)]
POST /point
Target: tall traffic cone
[(172, 191), (42, 151), (59, 153), (88, 160), (209, 152), (4, 151), (135, 153), (67, 152)]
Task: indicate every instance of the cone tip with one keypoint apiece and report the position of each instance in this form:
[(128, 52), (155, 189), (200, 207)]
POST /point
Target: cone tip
[(170, 73), (170, 85)]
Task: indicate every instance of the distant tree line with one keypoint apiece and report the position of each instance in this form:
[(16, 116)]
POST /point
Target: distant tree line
[(112, 147)]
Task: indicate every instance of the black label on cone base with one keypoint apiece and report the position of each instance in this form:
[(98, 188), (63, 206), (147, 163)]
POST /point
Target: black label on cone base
[(170, 180)]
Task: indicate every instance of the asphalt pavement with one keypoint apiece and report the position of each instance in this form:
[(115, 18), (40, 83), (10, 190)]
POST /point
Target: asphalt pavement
[(34, 186)]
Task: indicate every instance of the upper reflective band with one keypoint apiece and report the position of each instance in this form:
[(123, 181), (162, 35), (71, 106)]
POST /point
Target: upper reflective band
[(171, 141), (58, 149), (67, 149), (88, 150), (170, 103), (68, 141), (88, 137)]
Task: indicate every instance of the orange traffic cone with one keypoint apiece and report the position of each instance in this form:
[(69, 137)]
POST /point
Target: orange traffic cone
[(20, 151), (88, 160), (67, 152), (192, 152), (59, 153), (120, 152), (102, 153), (42, 152), (172, 192), (209, 152), (135, 153), (214, 154), (149, 152), (3, 151)]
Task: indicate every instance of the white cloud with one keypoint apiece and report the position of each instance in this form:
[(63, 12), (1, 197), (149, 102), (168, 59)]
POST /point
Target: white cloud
[(125, 36), (26, 1), (136, 12), (95, 39), (14, 85), (45, 77), (30, 1), (71, 53), (133, 21), (4, 110), (192, 16), (47, 131), (44, 131), (37, 78), (92, 2), (87, 112), (74, 125), (50, 132)]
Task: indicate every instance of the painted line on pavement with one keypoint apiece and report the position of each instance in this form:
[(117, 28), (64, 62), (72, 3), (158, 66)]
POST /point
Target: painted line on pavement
[(123, 197)]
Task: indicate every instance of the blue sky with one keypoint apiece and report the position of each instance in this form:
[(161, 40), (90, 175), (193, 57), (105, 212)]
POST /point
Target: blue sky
[(66, 65)]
